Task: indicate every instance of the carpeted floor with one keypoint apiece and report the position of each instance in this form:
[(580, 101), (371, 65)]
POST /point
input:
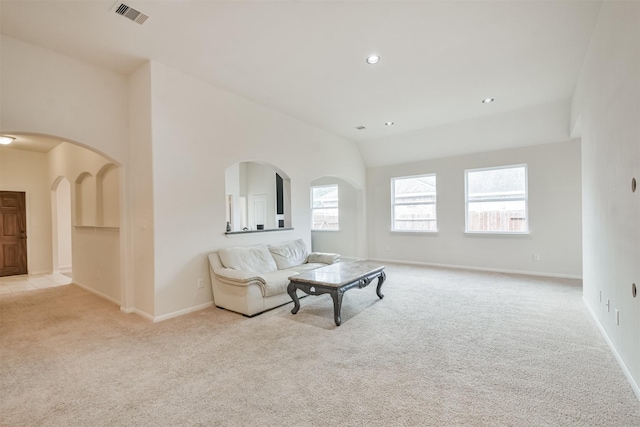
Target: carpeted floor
[(443, 348)]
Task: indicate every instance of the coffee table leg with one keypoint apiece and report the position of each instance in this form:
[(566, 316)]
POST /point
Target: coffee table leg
[(337, 305), (381, 279), (291, 290)]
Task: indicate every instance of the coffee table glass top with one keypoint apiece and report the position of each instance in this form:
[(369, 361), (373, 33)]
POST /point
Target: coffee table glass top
[(337, 274)]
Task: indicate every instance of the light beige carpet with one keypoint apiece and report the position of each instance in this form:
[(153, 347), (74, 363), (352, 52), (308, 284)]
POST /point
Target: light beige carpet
[(443, 348)]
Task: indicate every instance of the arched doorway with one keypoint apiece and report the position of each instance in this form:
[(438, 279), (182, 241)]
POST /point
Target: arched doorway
[(52, 171)]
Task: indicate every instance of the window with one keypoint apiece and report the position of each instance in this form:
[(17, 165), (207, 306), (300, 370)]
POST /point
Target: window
[(324, 208), (496, 200), (414, 203)]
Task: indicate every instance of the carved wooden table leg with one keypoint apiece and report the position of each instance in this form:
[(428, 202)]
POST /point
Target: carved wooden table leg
[(381, 279), (337, 305), (291, 290)]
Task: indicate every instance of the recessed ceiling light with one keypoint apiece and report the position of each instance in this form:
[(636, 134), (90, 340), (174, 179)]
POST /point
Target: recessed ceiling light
[(6, 140), (373, 59), (389, 123), (488, 100)]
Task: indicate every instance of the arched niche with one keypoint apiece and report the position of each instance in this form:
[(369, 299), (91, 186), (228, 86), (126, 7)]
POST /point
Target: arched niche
[(258, 197), (85, 199), (108, 196)]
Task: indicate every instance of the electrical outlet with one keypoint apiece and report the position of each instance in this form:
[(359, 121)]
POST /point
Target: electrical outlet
[(200, 283), (536, 257)]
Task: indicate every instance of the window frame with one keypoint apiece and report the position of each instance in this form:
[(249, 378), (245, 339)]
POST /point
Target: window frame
[(314, 208), (394, 204), (525, 199)]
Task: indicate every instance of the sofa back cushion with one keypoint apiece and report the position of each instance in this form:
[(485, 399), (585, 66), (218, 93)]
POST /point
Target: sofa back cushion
[(248, 258), (289, 254)]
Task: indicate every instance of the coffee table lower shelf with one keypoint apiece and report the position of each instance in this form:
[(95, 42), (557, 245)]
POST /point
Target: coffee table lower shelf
[(335, 280)]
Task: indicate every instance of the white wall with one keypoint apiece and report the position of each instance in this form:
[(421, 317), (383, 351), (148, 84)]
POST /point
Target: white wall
[(61, 212), (607, 105), (138, 195), (554, 214), (345, 240), (52, 94), (27, 171), (198, 131)]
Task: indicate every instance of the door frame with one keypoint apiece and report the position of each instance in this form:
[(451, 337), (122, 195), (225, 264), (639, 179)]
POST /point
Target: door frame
[(23, 256)]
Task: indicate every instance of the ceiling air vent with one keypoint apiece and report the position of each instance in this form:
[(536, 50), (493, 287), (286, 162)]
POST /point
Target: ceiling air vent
[(131, 13)]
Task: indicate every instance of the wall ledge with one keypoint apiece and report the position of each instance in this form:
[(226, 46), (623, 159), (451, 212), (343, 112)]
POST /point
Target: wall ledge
[(96, 227)]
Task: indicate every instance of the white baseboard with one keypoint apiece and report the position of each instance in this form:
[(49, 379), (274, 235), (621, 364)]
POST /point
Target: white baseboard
[(182, 312), (138, 312), (65, 269), (632, 383), (492, 270), (40, 272), (100, 294), (156, 319)]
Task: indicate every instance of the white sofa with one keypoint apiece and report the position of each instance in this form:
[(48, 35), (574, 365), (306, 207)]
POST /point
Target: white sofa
[(253, 279)]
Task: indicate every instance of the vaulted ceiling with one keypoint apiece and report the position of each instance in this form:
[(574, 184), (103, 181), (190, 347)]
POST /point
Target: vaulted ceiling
[(439, 59)]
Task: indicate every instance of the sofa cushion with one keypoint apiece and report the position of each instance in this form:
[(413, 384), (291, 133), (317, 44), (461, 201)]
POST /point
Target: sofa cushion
[(324, 258), (289, 254), (248, 258), (275, 283)]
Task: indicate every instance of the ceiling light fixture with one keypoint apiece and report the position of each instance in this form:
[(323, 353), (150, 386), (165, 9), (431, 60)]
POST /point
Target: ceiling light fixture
[(6, 140), (389, 123), (488, 100), (373, 59)]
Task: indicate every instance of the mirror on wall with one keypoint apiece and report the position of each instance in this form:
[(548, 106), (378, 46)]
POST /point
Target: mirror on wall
[(258, 198)]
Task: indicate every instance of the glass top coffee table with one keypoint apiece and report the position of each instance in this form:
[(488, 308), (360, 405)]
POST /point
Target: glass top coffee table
[(336, 279)]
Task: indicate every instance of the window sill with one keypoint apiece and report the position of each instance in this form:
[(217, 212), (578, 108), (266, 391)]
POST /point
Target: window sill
[(228, 233), (415, 231), (497, 233), (325, 230), (96, 227)]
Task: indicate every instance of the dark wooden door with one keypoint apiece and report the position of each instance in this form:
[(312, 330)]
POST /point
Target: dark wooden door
[(13, 233)]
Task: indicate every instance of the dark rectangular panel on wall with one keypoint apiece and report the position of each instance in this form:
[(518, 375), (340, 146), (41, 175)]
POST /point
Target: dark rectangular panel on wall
[(279, 195), (13, 233)]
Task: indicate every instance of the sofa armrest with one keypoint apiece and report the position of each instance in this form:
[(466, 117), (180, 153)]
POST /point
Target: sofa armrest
[(238, 276), (322, 257)]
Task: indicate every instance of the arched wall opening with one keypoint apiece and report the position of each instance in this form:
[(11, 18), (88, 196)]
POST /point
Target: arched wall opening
[(258, 197), (84, 194), (349, 239)]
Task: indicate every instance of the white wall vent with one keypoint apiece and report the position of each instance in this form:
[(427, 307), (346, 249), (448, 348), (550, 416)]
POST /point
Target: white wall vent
[(131, 13)]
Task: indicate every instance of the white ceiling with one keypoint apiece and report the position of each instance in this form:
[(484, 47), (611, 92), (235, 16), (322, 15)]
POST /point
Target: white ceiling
[(35, 143), (307, 58)]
